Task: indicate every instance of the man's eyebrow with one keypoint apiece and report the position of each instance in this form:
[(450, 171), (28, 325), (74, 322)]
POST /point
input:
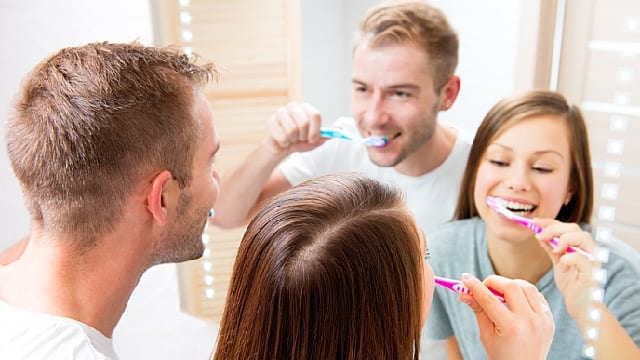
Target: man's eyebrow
[(393, 87), (404, 86)]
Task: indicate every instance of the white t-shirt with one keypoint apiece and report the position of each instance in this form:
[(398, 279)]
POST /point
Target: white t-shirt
[(432, 197), (34, 336)]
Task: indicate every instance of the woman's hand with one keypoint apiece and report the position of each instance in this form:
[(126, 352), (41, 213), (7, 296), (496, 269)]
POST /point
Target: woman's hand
[(521, 330), (573, 272)]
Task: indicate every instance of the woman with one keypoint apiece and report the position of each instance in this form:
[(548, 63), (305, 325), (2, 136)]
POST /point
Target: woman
[(333, 269), (531, 152)]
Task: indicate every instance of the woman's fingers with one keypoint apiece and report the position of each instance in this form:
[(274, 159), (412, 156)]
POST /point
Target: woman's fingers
[(567, 234), (523, 326), (485, 303)]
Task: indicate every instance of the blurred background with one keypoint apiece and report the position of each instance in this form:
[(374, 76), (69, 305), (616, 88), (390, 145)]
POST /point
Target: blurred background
[(273, 51)]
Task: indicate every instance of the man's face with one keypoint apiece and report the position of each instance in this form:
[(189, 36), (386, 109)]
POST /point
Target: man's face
[(183, 239), (393, 96)]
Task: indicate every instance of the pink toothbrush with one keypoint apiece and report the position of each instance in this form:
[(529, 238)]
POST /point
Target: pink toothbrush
[(458, 286), (499, 205)]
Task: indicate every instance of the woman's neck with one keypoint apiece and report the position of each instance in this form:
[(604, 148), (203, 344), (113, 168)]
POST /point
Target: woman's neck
[(518, 260)]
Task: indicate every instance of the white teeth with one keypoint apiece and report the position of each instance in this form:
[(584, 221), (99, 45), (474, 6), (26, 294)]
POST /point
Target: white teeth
[(514, 206), (382, 136), (386, 136)]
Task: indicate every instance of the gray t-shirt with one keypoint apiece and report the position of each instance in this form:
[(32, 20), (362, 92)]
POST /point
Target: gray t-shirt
[(461, 246)]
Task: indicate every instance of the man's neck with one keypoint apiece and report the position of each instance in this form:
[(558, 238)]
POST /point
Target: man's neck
[(432, 154), (92, 287)]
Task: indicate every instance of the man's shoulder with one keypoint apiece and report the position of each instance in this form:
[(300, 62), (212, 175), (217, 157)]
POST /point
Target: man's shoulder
[(27, 335)]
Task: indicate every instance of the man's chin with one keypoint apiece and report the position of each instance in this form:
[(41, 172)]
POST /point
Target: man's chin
[(197, 252), (193, 251), (384, 161)]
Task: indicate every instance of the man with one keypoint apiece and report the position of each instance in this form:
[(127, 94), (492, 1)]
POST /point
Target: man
[(113, 146), (404, 59)]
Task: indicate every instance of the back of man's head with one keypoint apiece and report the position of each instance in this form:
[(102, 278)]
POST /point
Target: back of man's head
[(92, 121)]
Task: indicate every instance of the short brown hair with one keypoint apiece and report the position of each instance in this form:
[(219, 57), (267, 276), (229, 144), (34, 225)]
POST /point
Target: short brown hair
[(508, 112), (92, 121), (330, 269), (395, 22)]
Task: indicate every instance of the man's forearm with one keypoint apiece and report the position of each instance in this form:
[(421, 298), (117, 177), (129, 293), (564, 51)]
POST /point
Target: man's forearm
[(12, 253), (243, 189)]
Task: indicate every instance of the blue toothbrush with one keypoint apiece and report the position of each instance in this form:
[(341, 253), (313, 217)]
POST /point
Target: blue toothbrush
[(338, 133)]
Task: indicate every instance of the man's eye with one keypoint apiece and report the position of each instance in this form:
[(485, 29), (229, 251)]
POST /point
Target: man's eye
[(402, 94)]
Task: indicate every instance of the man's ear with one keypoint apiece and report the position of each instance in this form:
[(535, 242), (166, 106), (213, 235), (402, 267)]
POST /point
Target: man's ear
[(160, 196), (449, 92)]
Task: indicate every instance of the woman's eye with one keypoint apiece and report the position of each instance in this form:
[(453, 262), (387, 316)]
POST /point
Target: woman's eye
[(542, 169), (499, 163)]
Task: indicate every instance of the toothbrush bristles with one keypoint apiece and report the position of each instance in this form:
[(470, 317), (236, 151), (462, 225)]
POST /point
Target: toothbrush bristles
[(376, 141), (499, 205)]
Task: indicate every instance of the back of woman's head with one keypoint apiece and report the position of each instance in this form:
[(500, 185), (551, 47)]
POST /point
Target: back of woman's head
[(330, 269)]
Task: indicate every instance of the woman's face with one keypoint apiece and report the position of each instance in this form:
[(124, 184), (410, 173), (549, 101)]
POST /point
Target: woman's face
[(529, 166)]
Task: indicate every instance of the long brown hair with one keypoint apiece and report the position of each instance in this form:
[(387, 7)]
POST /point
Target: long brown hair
[(508, 112), (93, 121), (330, 269)]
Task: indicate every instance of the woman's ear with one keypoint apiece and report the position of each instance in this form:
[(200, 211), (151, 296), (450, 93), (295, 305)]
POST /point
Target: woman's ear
[(568, 198), (160, 196), (569, 194), (449, 92)]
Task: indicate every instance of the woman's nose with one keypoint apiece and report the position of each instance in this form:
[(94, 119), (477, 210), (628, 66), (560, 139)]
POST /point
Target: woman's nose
[(518, 180)]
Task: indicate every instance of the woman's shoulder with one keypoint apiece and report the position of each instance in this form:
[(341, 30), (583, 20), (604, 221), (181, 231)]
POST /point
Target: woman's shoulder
[(454, 233), (621, 256), (454, 226)]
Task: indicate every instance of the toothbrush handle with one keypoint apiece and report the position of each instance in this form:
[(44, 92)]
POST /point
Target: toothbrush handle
[(458, 287), (570, 249), (334, 133), (554, 241)]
